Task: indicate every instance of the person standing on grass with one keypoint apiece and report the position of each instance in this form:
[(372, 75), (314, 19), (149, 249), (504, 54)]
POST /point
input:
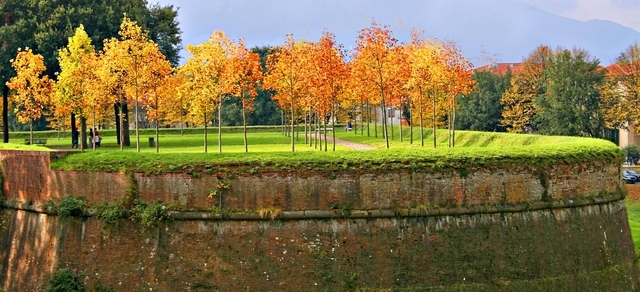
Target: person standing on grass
[(91, 136), (74, 138), (96, 137)]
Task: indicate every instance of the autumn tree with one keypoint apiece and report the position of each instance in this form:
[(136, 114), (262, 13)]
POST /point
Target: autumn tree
[(158, 85), (526, 84), (32, 90), (621, 92), (286, 75), (425, 79), (247, 74), (208, 77), (71, 84), (457, 83), (329, 77), (46, 26), (375, 65)]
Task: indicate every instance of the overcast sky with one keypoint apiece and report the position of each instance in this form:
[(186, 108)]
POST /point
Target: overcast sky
[(267, 22)]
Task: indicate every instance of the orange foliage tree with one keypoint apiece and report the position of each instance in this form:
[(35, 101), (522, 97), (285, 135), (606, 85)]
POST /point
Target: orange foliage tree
[(32, 89), (328, 78), (375, 64), (287, 71), (458, 82), (247, 75)]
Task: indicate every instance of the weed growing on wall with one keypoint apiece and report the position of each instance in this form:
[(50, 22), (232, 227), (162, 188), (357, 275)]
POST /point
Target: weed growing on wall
[(71, 206), (131, 194), (149, 214), (109, 213), (64, 281), (269, 212)]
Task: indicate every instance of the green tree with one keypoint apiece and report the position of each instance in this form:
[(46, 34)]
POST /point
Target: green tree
[(481, 110), (571, 103), (45, 26)]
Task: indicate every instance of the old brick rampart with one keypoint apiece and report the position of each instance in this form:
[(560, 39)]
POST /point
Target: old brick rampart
[(511, 228)]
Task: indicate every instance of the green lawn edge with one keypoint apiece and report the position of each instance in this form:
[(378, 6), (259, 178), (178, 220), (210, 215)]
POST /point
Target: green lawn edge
[(519, 151)]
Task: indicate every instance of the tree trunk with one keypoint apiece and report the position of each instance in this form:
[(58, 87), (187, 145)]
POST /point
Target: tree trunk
[(411, 123), (421, 121), (181, 118), (325, 134), (137, 122), (73, 127), (83, 133), (375, 123), (157, 135), (293, 142), (220, 126), (316, 131), (434, 122), (118, 113), (121, 118), (125, 126), (157, 126), (392, 116), (307, 128), (400, 119), (282, 121), (93, 142), (205, 131), (5, 113), (31, 133), (244, 128), (453, 126), (333, 125)]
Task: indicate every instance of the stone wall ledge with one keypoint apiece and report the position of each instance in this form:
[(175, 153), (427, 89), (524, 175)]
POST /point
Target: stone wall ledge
[(361, 214)]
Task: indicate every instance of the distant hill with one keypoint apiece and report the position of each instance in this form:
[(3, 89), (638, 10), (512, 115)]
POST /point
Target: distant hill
[(507, 28)]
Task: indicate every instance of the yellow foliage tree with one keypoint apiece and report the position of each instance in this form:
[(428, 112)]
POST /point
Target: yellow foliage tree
[(208, 76), (517, 101), (287, 71), (71, 85), (32, 89)]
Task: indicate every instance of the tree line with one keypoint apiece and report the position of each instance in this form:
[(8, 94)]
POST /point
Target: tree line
[(310, 81), (557, 92)]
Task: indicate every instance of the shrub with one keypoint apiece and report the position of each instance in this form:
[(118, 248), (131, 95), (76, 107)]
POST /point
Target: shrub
[(64, 281), (109, 212), (148, 214), (71, 206), (632, 152)]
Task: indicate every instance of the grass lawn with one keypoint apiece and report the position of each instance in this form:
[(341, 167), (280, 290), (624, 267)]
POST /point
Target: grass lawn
[(270, 150), (633, 212), (194, 143)]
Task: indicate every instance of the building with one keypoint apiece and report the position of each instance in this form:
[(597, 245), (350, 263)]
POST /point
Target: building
[(499, 68)]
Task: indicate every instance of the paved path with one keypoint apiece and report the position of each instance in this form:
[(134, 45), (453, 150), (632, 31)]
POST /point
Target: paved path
[(353, 145), (349, 144)]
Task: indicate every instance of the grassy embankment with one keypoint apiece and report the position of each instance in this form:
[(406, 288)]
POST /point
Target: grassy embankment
[(271, 150)]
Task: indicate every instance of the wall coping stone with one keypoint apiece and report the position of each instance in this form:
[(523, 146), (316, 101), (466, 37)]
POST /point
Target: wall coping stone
[(364, 214)]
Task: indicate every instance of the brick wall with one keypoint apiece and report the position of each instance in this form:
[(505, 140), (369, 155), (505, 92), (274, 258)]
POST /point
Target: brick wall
[(549, 242)]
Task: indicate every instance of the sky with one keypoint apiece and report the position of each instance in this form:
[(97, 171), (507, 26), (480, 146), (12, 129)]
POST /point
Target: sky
[(267, 22)]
